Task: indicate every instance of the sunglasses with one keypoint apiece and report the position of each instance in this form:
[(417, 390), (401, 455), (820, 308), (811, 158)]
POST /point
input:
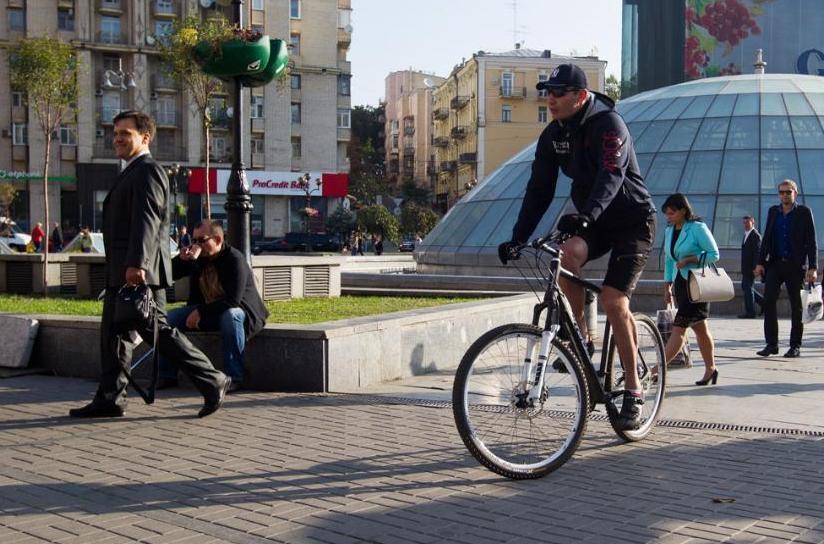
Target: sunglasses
[(785, 192), (201, 240), (561, 92)]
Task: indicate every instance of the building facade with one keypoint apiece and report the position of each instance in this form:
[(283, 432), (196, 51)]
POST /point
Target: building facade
[(488, 109), (670, 41), (298, 124), (408, 129)]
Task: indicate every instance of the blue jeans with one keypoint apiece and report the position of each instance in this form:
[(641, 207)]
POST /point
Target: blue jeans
[(231, 332), (751, 294)]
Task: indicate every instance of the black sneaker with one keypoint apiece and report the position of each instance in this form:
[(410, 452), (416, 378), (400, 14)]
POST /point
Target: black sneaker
[(630, 417)]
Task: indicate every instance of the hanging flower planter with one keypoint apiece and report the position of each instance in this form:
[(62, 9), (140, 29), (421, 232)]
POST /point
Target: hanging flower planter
[(278, 60), (247, 53)]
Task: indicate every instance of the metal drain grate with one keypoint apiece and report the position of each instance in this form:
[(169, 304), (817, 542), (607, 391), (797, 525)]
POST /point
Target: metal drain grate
[(595, 416)]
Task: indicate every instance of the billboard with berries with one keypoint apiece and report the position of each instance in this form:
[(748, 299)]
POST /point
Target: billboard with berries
[(722, 36)]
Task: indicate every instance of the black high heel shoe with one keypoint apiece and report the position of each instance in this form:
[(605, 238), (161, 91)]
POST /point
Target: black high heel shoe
[(713, 378)]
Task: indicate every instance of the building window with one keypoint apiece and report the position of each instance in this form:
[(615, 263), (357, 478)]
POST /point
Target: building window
[(163, 29), (344, 118), (344, 18), (20, 134), (218, 151), (109, 107), (257, 107), (506, 114), (257, 5), (111, 62), (110, 4), (17, 99), (542, 115), (294, 9), (541, 78), (68, 135), (17, 19), (166, 110), (295, 113), (344, 87), (506, 84), (109, 29), (296, 152), (65, 19), (294, 42), (164, 6), (257, 145), (296, 81), (394, 141)]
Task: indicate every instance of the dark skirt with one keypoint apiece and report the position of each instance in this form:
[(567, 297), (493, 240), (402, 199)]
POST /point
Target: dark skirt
[(689, 313)]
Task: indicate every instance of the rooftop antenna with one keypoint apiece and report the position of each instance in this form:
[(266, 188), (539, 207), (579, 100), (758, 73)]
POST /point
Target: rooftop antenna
[(515, 23), (760, 64)]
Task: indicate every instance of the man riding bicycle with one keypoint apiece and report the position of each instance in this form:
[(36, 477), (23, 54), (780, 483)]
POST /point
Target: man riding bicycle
[(589, 141)]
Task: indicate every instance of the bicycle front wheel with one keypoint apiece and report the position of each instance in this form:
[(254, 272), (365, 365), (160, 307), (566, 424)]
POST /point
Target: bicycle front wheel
[(503, 431), (652, 373)]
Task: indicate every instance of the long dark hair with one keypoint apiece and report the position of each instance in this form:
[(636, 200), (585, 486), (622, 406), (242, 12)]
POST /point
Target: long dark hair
[(678, 201)]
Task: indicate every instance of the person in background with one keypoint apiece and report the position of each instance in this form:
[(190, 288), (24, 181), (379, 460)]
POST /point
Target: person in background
[(185, 239), (378, 244), (750, 247), (57, 238), (86, 240), (686, 240), (37, 236)]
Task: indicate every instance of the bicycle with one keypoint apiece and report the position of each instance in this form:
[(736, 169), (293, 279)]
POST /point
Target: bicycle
[(523, 416)]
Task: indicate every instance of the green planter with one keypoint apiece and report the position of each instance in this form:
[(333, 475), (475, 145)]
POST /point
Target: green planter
[(278, 60), (234, 58)]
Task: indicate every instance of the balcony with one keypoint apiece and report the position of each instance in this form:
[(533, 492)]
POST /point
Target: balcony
[(258, 124), (408, 150), (163, 9), (468, 158), (220, 119), (449, 166), (409, 131), (165, 119), (110, 7), (512, 92), (440, 114), (440, 141), (105, 36), (394, 151), (344, 37), (458, 102), (344, 134), (258, 160), (170, 153), (68, 152), (459, 133)]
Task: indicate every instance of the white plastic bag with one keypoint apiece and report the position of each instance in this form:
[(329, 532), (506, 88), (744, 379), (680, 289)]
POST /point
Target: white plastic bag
[(812, 307), (664, 320)]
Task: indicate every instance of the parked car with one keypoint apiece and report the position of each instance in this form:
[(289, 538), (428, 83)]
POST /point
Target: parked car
[(298, 241), (12, 235), (407, 245)]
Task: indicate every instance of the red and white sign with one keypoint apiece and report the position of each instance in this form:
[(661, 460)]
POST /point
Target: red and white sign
[(287, 183)]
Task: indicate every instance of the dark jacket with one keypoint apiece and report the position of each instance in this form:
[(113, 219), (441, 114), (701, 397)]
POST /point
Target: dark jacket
[(595, 150), (136, 224), (749, 253), (238, 284), (804, 246)]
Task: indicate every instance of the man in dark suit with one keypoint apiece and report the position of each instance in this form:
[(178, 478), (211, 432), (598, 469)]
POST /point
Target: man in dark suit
[(749, 259), (136, 242), (222, 297), (789, 255)]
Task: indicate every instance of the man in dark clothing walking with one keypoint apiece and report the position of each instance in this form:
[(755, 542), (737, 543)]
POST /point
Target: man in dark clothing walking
[(750, 247), (789, 255), (136, 242), (222, 297), (57, 238)]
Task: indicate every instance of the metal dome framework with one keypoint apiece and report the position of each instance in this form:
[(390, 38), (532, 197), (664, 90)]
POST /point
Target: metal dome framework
[(726, 142)]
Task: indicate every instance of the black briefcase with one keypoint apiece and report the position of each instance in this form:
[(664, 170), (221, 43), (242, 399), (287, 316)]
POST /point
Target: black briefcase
[(135, 308)]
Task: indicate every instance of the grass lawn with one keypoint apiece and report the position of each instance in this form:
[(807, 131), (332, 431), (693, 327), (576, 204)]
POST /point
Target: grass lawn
[(298, 311)]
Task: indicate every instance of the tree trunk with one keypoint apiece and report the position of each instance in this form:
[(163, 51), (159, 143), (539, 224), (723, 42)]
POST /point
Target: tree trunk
[(46, 223), (206, 184)]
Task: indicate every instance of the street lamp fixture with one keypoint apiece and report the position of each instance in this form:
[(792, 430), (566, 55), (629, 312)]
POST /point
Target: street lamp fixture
[(306, 184), (114, 79), (177, 174)]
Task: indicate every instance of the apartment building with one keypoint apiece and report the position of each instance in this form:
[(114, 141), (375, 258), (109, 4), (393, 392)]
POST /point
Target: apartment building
[(409, 157), (488, 109), (296, 125)]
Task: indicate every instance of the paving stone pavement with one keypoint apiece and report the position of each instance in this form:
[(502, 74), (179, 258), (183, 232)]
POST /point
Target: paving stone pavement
[(356, 468)]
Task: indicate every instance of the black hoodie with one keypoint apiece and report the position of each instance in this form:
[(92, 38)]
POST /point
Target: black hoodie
[(595, 150)]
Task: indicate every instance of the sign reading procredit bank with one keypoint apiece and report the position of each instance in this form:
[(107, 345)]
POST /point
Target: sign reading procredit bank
[(287, 184)]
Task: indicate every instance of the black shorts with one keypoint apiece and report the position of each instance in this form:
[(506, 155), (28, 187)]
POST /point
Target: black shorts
[(689, 313), (630, 248)]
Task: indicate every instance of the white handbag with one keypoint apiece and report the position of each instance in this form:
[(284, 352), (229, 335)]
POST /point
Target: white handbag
[(708, 283), (811, 302)]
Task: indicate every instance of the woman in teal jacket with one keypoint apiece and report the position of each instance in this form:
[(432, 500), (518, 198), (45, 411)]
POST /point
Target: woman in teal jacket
[(686, 239)]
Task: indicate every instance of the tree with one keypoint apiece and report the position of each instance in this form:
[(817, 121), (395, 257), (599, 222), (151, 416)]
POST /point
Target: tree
[(417, 219), (613, 88), (377, 219), (365, 150), (341, 223), (176, 54), (45, 69), (416, 194), (7, 195)]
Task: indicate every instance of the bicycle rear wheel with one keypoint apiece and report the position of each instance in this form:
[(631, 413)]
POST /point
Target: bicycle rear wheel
[(503, 433), (652, 373)]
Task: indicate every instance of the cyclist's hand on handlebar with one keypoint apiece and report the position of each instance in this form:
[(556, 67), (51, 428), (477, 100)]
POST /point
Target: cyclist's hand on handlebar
[(506, 251), (574, 223)]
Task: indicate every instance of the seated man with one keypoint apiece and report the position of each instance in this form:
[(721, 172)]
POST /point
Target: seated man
[(222, 296)]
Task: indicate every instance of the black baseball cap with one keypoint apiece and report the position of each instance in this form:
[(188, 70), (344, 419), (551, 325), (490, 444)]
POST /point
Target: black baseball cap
[(564, 76)]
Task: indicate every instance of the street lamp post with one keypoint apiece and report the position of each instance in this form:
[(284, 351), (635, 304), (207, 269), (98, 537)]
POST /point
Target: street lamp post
[(177, 174), (238, 202), (305, 183)]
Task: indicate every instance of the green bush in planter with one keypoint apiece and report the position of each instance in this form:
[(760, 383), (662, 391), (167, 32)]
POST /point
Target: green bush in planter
[(234, 57)]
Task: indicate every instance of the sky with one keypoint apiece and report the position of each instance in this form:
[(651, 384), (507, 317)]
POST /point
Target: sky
[(434, 35)]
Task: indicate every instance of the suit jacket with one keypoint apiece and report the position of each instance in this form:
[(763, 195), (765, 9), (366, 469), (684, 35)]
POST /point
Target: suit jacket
[(136, 224), (804, 246), (749, 253), (236, 279), (695, 239)]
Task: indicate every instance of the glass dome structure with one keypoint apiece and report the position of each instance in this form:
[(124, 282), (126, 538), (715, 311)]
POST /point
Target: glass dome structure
[(725, 142)]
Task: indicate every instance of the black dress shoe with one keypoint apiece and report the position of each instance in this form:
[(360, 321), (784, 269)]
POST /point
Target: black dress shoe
[(166, 383), (767, 351), (746, 316), (211, 405), (97, 409), (794, 351)]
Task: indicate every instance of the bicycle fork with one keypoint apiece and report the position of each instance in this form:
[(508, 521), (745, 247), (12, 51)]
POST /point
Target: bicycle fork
[(528, 395)]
